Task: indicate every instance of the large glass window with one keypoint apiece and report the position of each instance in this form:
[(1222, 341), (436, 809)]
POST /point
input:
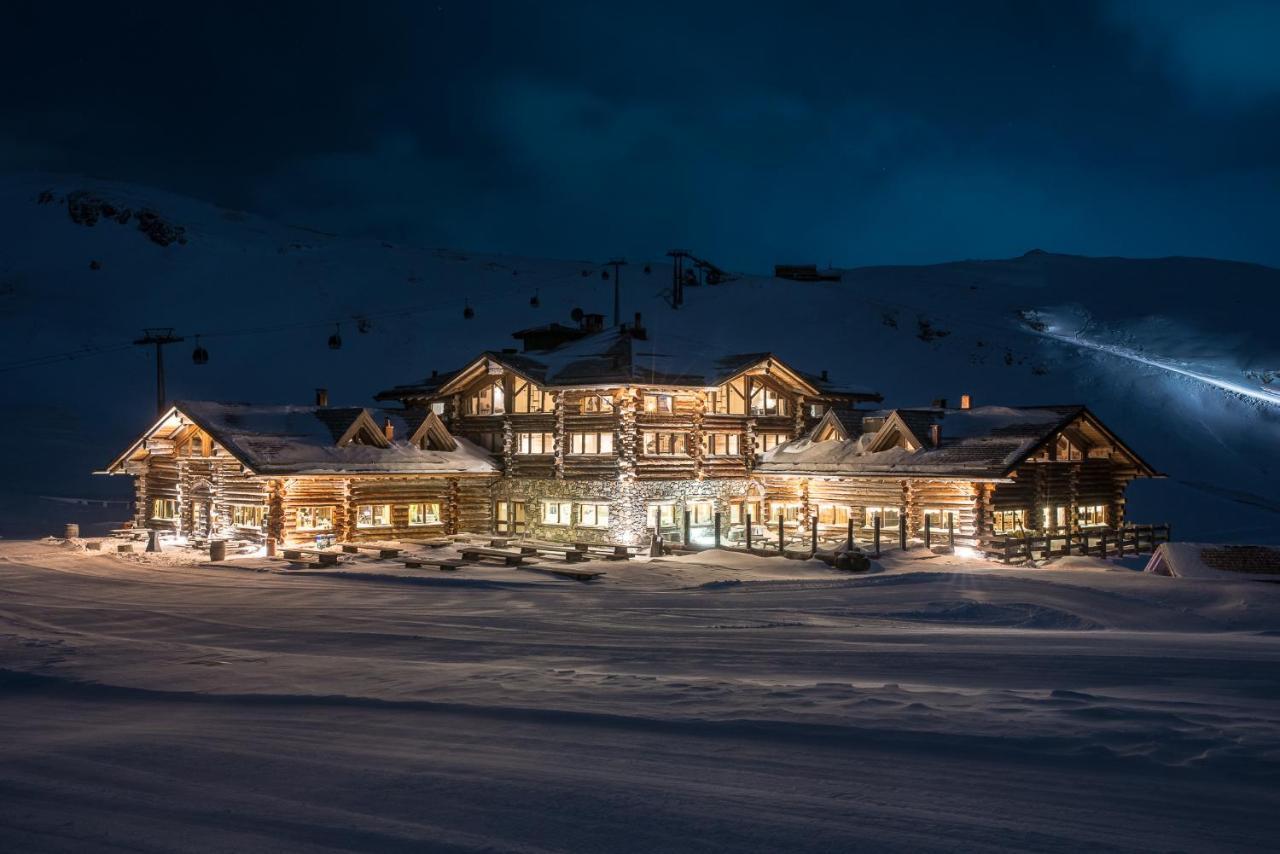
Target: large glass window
[(597, 403), (557, 513), (373, 515), (788, 510), (937, 517), (535, 443), (489, 400), (527, 397), (740, 510), (315, 518), (662, 515), (593, 515), (591, 443), (729, 399), (426, 513), (766, 401)]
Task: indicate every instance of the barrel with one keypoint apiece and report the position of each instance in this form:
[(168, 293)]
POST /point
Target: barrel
[(72, 531), (217, 550)]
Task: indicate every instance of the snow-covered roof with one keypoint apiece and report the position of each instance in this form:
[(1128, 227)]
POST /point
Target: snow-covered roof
[(312, 440), (616, 356), (1217, 561), (983, 442)]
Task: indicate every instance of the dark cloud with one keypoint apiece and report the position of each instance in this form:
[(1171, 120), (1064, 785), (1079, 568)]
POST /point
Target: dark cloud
[(856, 133)]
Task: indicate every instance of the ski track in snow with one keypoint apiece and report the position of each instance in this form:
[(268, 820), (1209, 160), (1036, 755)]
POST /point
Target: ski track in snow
[(703, 704)]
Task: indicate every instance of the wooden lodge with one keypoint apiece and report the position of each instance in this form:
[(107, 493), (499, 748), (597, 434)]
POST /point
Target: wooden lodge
[(598, 436)]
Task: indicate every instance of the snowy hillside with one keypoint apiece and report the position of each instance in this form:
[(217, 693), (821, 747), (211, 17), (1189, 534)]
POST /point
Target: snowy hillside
[(1169, 352)]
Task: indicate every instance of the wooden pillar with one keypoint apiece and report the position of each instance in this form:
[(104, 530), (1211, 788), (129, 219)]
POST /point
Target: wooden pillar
[(452, 509), (275, 510), (561, 438)]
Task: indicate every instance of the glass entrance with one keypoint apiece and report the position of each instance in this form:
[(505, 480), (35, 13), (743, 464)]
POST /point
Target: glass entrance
[(664, 519), (508, 517)]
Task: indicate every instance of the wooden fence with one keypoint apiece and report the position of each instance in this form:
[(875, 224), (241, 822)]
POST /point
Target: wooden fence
[(1101, 542)]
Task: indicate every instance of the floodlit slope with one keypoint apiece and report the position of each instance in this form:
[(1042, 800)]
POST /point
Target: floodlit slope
[(266, 297)]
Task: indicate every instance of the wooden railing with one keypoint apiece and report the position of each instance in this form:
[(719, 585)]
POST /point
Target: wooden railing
[(1100, 542)]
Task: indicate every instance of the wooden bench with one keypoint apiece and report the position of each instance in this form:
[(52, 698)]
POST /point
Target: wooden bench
[(509, 558), (321, 558), (566, 572), (570, 555), (384, 552), (444, 565), (605, 551)]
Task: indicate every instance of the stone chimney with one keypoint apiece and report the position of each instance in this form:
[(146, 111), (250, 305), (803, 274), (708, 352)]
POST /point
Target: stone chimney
[(388, 429), (322, 397), (965, 401), (940, 403), (935, 434)]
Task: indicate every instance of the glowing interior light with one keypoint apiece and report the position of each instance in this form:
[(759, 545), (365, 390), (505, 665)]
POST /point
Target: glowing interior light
[(965, 552)]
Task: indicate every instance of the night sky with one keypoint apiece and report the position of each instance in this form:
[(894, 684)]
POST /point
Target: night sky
[(850, 133)]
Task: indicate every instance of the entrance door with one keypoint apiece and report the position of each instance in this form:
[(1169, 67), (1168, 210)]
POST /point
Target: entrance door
[(508, 517), (663, 519), (702, 522)]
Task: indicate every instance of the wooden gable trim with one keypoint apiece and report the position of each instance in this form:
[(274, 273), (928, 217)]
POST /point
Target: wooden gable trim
[(892, 428), (829, 421), (1085, 415), (365, 424), (476, 369), (774, 367), (433, 435)]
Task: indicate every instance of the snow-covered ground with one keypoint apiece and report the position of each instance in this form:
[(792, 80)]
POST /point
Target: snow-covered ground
[(1179, 355), (707, 703)]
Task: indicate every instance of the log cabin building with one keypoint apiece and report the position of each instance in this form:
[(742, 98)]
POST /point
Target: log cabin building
[(596, 435)]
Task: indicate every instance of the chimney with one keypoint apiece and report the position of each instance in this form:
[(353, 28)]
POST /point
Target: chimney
[(935, 434), (824, 375), (388, 429), (322, 397), (940, 403), (965, 401)]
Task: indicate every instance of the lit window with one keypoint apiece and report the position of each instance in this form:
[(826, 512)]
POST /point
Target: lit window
[(438, 407), (557, 513), (723, 444), (662, 515), (701, 512), (593, 515), (1009, 521), (247, 517), (315, 518), (938, 518), (729, 399), (373, 515), (164, 509), (424, 514), (1067, 451), (817, 410), (535, 443), (489, 400), (766, 401), (890, 518), (1092, 516), (657, 403), (769, 441), (739, 511), (597, 403), (833, 514), (591, 443), (529, 398), (788, 510), (665, 444)]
